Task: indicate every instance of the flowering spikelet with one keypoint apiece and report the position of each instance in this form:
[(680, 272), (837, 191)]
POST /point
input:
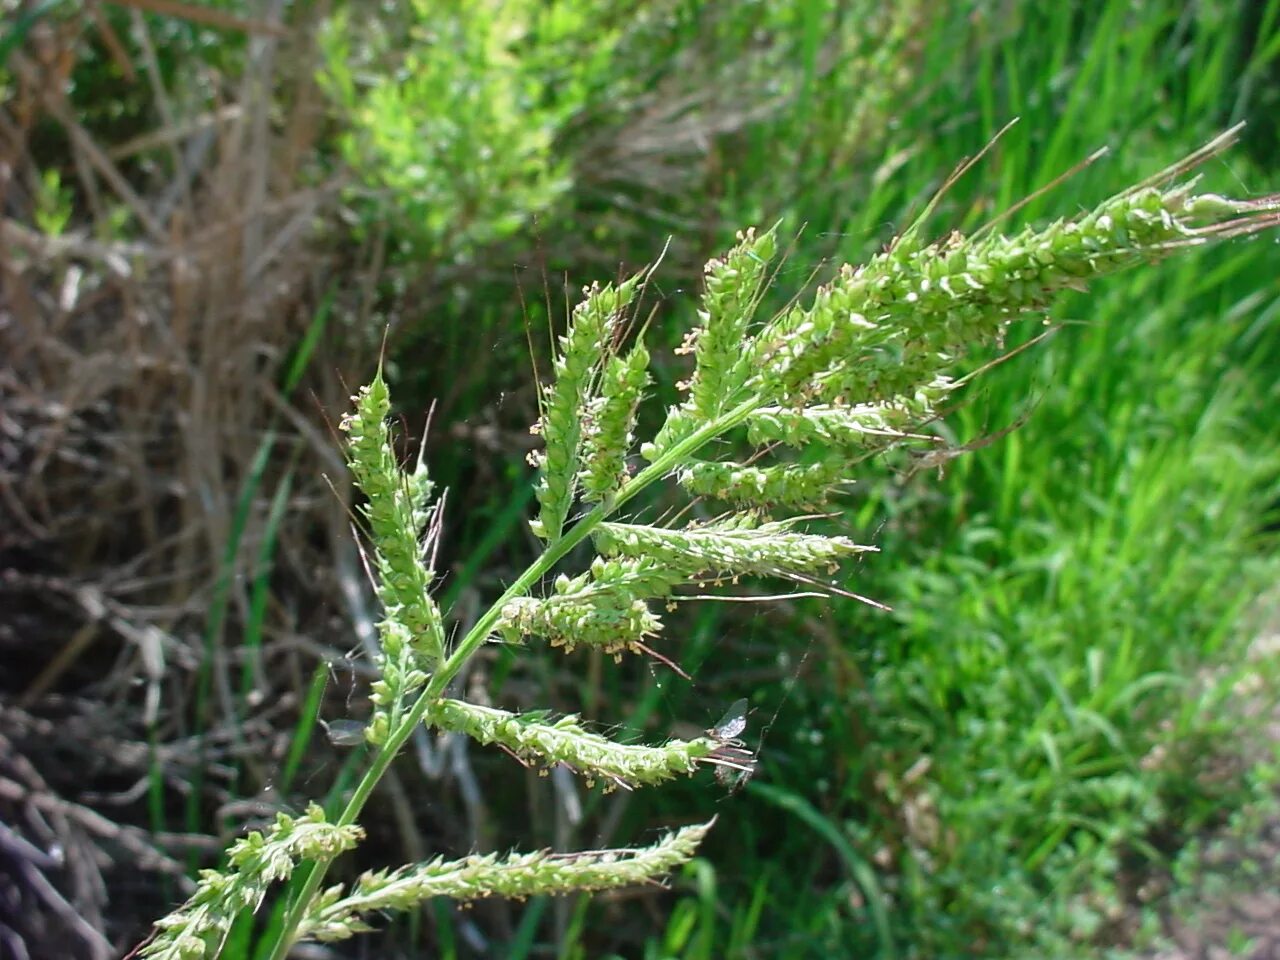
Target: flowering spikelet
[(737, 546), (535, 740), (608, 422), (861, 426), (336, 917), (885, 330), (198, 928), (603, 608), (398, 510), (784, 485), (732, 290), (567, 398)]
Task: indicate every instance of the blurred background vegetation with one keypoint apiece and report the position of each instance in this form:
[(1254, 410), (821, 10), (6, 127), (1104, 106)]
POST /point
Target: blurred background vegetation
[(217, 216)]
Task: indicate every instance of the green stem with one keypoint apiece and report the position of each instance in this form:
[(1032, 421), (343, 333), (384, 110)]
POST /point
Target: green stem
[(478, 634)]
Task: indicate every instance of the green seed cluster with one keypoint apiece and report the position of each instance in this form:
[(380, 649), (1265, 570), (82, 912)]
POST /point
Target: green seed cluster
[(608, 424), (732, 291), (733, 287), (864, 364), (411, 634), (739, 545), (566, 399), (605, 607), (793, 485), (517, 876), (887, 329), (531, 738), (860, 427), (199, 928)]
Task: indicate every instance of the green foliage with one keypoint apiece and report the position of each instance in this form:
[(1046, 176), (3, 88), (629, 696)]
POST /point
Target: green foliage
[(681, 119), (952, 701), (452, 110), (1058, 632), (52, 210)]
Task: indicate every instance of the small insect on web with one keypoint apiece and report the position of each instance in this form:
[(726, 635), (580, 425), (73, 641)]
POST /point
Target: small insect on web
[(732, 723), (344, 733), (734, 762)]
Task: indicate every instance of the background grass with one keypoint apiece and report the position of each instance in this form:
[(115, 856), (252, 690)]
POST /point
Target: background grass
[(1009, 763)]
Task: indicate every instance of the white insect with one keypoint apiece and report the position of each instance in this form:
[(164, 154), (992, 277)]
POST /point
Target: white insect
[(344, 733), (734, 762), (731, 724)]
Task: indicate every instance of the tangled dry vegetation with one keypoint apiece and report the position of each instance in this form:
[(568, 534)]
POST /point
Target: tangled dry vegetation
[(141, 381)]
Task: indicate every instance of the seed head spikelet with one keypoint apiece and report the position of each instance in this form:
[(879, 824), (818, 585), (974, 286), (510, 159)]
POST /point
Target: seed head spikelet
[(335, 916), (397, 510), (570, 395), (198, 929), (608, 424), (739, 545), (732, 290), (606, 607), (536, 740), (862, 426), (798, 486), (888, 329)]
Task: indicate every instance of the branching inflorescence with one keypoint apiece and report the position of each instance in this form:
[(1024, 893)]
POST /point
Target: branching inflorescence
[(804, 396)]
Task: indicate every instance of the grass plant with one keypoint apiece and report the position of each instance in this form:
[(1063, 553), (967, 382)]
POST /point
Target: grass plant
[(807, 395)]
